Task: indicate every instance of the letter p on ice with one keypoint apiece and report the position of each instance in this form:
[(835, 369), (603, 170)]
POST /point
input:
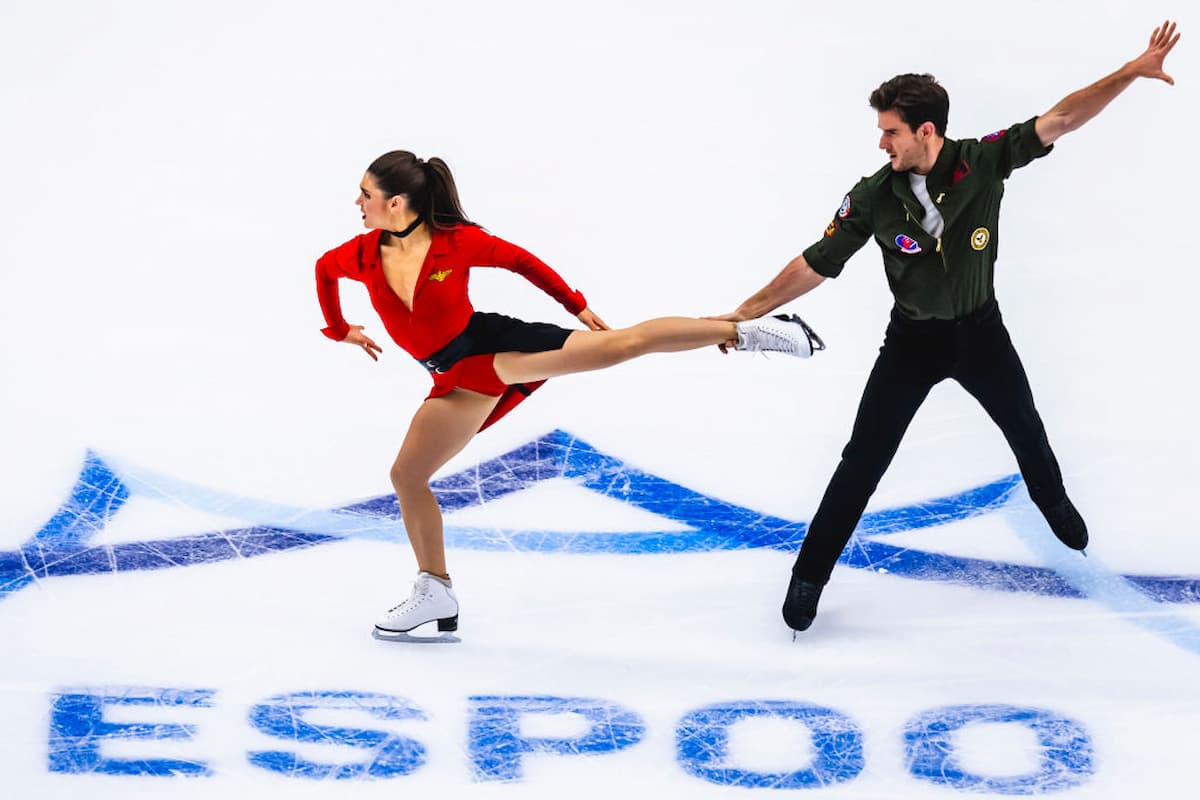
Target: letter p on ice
[(499, 739)]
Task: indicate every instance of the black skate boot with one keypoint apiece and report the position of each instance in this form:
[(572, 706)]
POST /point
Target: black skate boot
[(800, 605), (1067, 524)]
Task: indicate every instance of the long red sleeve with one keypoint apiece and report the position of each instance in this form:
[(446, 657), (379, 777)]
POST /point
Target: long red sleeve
[(327, 294), (496, 252)]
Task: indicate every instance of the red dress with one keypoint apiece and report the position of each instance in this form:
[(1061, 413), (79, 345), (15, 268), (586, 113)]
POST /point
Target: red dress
[(440, 306)]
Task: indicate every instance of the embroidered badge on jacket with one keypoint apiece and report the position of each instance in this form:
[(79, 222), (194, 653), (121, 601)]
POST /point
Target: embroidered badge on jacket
[(907, 245), (440, 275), (844, 211)]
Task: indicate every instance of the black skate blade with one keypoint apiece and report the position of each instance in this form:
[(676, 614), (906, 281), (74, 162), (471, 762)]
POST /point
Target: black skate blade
[(815, 343), (408, 637)]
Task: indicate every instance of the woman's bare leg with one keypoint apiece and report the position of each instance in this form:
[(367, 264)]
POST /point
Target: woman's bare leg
[(441, 428), (588, 350)]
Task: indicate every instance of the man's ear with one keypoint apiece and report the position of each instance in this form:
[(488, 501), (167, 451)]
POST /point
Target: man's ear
[(927, 129)]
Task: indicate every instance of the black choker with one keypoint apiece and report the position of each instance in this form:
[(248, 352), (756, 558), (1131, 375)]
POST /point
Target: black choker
[(411, 227)]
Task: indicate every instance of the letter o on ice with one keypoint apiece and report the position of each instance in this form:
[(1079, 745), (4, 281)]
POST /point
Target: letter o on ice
[(702, 745), (1065, 757)]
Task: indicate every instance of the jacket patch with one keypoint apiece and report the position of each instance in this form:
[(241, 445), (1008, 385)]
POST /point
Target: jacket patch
[(960, 172), (832, 229), (844, 211), (979, 238), (907, 245), (991, 137), (440, 275)]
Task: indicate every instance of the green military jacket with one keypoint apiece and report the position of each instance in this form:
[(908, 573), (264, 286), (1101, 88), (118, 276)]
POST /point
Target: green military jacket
[(933, 278)]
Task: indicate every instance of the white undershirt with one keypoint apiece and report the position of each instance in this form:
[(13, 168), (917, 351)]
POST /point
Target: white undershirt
[(933, 222)]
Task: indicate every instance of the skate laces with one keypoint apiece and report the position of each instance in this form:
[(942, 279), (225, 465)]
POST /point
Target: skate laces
[(415, 598), (807, 593), (764, 336)]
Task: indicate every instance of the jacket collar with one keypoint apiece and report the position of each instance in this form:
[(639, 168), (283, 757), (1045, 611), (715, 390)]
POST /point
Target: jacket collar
[(369, 250), (937, 181), (440, 244), (943, 168)]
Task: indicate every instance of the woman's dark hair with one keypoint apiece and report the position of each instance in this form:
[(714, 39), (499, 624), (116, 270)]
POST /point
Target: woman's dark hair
[(916, 98), (426, 184)]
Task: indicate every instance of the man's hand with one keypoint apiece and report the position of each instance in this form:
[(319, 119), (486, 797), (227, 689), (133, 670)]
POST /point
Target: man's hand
[(593, 323), (1077, 108), (357, 337), (733, 316), (1150, 63)]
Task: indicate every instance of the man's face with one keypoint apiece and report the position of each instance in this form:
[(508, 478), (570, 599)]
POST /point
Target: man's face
[(904, 146)]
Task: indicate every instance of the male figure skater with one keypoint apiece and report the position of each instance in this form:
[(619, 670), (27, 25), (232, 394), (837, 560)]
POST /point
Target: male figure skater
[(933, 211)]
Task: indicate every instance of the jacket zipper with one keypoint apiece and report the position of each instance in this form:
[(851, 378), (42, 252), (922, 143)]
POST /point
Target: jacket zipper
[(908, 217)]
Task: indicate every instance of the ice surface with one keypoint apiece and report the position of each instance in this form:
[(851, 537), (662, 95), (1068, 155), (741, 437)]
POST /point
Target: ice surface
[(197, 522)]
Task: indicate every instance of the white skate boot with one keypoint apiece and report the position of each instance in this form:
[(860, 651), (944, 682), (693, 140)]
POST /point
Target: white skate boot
[(432, 599), (781, 333)]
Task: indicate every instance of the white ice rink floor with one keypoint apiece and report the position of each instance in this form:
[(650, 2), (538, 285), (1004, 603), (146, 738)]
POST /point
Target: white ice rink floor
[(197, 532)]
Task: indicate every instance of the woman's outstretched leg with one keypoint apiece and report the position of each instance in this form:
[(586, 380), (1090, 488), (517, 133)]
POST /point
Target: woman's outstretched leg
[(589, 350), (441, 428)]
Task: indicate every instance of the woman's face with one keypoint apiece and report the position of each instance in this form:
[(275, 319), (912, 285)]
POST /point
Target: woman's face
[(377, 211)]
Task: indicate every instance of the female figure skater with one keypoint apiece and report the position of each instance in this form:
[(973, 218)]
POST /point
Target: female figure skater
[(415, 262)]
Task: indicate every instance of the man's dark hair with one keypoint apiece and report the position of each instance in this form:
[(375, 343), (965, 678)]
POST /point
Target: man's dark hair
[(916, 98)]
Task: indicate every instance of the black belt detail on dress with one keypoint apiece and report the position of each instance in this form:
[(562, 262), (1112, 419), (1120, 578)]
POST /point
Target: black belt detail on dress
[(456, 350)]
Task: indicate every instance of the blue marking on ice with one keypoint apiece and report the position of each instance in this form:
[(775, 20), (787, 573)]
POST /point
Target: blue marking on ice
[(1090, 578), (62, 546)]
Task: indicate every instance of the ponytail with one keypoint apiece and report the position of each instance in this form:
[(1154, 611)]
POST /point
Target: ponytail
[(427, 185), (445, 210)]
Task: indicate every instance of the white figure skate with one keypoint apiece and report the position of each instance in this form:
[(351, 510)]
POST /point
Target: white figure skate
[(782, 333), (432, 599)]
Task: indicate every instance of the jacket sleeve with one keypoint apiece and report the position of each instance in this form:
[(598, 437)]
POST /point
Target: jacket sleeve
[(329, 271), (495, 252), (1011, 148), (845, 235)]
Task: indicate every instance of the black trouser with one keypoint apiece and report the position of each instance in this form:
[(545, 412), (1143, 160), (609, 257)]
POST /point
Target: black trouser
[(975, 351)]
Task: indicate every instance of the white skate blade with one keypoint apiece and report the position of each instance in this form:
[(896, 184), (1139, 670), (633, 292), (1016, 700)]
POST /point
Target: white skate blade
[(409, 637)]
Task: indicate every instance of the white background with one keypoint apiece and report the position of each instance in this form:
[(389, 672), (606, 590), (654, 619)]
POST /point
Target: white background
[(171, 171)]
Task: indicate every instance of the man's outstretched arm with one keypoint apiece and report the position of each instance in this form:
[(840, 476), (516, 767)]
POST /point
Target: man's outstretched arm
[(1078, 107), (795, 279)]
